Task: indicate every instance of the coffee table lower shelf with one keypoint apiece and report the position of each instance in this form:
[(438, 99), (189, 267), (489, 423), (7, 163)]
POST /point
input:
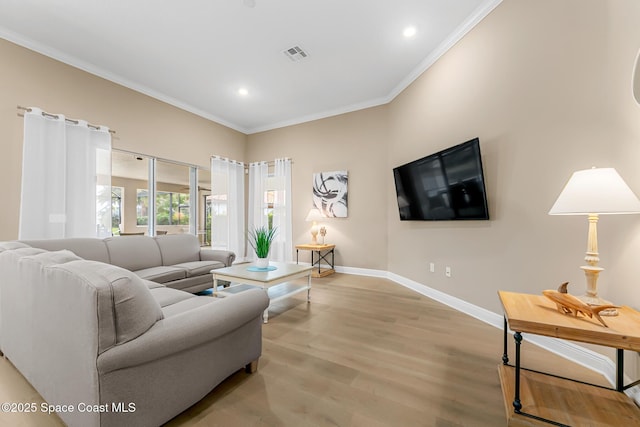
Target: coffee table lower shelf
[(276, 282), (276, 293), (564, 401)]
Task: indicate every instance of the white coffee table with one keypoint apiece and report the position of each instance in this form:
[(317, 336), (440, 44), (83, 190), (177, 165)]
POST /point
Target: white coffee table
[(240, 274)]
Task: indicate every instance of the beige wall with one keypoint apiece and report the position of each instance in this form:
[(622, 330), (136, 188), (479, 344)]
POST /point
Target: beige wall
[(355, 142), (533, 81), (546, 85), (143, 124)]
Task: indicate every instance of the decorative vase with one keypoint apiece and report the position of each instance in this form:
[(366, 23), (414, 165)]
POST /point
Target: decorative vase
[(262, 263)]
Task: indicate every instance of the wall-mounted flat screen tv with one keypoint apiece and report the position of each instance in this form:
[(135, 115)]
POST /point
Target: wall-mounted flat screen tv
[(448, 185)]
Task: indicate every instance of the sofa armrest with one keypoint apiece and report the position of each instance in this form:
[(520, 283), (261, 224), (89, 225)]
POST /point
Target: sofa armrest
[(187, 330), (225, 257)]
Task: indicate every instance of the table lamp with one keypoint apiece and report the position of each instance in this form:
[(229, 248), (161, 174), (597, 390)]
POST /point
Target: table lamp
[(593, 192), (315, 216)]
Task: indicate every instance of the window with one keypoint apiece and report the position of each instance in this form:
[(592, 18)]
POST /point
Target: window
[(203, 209), (269, 197), (215, 213), (207, 220), (217, 222), (116, 209), (171, 208), (142, 207), (178, 190)]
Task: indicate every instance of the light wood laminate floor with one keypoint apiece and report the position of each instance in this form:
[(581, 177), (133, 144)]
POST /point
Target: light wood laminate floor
[(365, 352)]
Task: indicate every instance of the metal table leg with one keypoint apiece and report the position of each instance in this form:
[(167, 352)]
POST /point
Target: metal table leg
[(505, 354), (620, 369), (517, 405)]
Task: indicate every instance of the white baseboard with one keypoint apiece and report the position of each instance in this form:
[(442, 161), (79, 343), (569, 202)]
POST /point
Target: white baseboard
[(362, 271), (353, 270), (578, 354)]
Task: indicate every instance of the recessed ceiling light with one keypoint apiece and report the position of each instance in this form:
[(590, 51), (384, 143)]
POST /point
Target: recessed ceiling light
[(243, 91), (409, 32)]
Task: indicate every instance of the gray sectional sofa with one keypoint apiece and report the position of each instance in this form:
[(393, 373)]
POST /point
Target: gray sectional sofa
[(91, 335), (174, 260)]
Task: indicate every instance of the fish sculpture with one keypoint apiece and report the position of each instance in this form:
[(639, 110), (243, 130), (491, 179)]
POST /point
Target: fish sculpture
[(568, 304)]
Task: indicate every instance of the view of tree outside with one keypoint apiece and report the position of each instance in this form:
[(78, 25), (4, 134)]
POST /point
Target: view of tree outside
[(171, 208), (207, 220), (142, 207)]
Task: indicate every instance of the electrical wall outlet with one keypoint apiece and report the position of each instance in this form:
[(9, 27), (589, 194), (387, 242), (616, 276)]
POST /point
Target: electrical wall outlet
[(432, 267), (447, 271)]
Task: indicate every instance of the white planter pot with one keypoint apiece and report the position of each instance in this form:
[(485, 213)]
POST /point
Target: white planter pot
[(262, 263)]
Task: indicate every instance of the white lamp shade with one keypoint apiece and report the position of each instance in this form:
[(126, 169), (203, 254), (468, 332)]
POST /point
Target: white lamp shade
[(596, 191), (314, 215)]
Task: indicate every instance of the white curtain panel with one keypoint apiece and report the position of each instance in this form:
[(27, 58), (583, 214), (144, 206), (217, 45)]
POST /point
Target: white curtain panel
[(257, 210), (66, 178), (227, 206), (282, 249)]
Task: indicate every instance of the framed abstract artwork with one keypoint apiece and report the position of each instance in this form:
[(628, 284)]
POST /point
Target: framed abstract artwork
[(330, 193)]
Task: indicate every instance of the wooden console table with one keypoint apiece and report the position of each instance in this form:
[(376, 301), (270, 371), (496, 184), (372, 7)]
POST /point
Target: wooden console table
[(561, 401), (329, 249)]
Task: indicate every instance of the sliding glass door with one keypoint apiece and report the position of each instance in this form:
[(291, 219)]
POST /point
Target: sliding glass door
[(173, 198), (129, 193), (156, 196)]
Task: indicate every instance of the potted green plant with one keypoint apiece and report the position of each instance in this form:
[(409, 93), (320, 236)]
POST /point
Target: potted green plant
[(260, 240)]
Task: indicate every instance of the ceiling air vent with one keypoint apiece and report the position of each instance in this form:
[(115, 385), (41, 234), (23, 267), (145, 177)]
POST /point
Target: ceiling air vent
[(296, 54)]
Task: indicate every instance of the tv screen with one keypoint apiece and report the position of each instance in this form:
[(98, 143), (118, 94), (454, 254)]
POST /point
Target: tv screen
[(448, 185)]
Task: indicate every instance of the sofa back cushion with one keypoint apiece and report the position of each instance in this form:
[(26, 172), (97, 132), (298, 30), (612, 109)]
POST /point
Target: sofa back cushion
[(7, 246), (56, 257), (133, 252), (178, 248), (125, 307), (85, 247)]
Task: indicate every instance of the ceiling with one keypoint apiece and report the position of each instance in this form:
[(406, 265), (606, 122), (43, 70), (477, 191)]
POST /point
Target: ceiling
[(197, 54)]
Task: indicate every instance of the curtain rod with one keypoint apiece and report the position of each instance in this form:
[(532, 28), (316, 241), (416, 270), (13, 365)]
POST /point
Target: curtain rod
[(55, 116), (270, 162)]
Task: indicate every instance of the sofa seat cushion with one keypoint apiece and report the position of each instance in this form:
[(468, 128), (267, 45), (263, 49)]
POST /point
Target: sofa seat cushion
[(167, 296), (162, 274), (189, 304), (151, 285), (199, 268)]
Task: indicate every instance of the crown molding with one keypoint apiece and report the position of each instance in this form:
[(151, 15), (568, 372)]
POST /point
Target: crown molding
[(97, 71), (480, 13)]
